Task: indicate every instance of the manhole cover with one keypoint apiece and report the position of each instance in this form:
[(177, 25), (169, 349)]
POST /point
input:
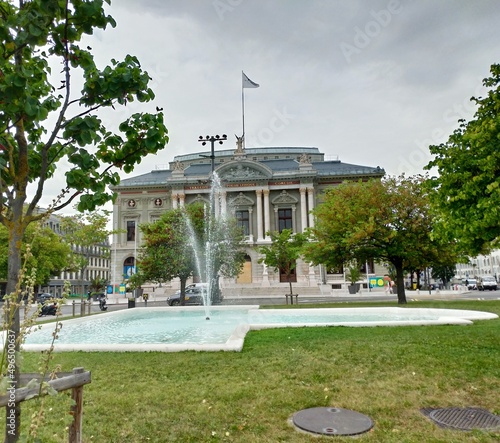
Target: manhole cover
[(465, 419), (332, 421)]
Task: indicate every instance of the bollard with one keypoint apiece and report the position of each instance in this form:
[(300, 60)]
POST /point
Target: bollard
[(90, 306), (74, 303), (82, 308)]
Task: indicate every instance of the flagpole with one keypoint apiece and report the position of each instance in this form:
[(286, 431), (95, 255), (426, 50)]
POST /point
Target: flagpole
[(243, 109), (245, 83)]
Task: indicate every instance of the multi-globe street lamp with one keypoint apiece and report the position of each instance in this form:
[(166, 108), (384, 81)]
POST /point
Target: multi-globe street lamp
[(212, 139), (212, 273)]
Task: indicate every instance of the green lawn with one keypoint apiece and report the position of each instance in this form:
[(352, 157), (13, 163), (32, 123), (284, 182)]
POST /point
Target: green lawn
[(387, 373)]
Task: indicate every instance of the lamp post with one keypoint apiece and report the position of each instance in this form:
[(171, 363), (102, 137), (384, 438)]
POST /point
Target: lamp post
[(212, 139), (212, 272)]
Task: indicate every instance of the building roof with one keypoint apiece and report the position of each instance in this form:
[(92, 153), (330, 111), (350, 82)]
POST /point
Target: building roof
[(288, 163)]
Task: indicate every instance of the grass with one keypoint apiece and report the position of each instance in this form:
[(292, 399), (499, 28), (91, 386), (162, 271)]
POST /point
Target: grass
[(387, 373)]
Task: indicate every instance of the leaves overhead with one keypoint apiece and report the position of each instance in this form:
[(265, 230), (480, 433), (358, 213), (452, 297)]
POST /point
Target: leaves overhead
[(44, 121), (468, 182)]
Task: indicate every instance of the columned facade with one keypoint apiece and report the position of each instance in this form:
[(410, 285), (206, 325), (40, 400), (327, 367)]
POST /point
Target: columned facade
[(265, 189)]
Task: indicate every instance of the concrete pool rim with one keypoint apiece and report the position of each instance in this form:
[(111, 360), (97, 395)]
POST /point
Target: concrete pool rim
[(236, 340)]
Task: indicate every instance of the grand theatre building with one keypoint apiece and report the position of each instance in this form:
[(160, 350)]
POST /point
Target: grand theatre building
[(266, 189)]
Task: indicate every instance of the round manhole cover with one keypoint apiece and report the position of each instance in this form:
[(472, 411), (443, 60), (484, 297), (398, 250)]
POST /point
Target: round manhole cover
[(332, 421), (465, 418)]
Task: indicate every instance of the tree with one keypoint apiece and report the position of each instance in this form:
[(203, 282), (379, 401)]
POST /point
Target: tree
[(182, 241), (444, 272), (49, 254), (45, 124), (166, 253), (283, 252), (467, 196), (387, 220), (98, 285), (353, 274), (223, 252)]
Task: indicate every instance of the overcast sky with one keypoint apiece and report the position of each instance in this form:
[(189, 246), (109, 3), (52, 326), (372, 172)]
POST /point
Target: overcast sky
[(370, 82)]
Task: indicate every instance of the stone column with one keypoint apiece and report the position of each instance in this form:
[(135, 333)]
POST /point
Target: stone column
[(223, 203), (267, 218), (303, 209), (181, 199), (260, 235), (174, 201), (310, 196), (250, 225)]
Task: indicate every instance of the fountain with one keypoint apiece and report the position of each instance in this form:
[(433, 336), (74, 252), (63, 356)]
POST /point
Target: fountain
[(170, 329), (217, 244)]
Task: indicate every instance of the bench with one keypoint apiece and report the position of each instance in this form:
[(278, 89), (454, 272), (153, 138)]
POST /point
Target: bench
[(291, 298)]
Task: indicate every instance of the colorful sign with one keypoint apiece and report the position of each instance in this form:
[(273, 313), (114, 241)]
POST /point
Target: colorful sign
[(376, 282)]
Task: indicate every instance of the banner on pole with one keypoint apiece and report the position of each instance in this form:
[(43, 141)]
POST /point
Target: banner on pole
[(247, 83)]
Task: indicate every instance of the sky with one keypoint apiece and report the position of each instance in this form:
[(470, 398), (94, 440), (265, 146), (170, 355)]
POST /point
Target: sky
[(370, 82)]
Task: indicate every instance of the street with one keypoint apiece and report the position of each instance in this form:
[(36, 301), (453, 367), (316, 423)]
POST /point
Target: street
[(71, 310)]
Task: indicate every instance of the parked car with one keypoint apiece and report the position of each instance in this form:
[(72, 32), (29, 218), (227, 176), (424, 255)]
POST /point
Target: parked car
[(487, 282), (193, 296)]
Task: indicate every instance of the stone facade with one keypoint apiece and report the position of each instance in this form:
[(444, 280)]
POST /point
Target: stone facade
[(266, 189), (98, 266)]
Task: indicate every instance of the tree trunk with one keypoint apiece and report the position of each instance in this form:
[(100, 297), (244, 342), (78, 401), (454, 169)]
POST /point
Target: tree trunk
[(182, 299), (13, 412), (400, 283)]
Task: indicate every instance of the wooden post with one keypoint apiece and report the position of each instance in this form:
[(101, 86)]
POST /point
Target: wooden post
[(75, 429), (74, 380)]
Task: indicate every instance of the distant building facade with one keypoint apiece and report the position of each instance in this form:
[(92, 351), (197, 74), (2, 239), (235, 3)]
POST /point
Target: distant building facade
[(480, 266), (99, 265), (266, 189)]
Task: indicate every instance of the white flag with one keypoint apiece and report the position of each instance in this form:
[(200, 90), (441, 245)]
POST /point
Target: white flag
[(247, 83)]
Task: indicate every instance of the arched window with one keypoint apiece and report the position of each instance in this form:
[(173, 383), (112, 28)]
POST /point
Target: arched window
[(128, 267)]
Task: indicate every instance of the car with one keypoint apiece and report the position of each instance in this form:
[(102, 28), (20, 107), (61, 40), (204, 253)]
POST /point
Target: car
[(487, 282), (193, 296), (471, 283)]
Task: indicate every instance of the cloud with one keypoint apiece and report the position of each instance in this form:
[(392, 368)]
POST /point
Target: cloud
[(373, 82)]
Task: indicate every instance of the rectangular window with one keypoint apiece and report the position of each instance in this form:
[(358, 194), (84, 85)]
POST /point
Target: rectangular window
[(130, 230), (243, 220), (284, 219)]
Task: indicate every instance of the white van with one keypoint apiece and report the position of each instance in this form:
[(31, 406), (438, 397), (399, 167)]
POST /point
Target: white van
[(471, 283), (487, 282)]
